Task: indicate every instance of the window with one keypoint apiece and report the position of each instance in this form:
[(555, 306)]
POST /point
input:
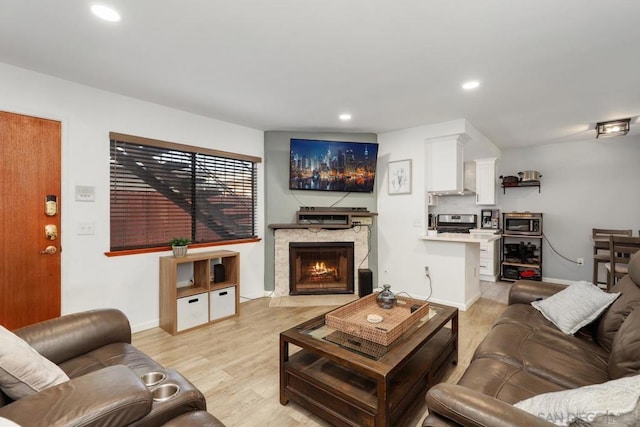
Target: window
[(161, 190)]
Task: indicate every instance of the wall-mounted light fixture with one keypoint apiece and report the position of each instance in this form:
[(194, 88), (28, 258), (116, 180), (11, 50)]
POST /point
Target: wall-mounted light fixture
[(612, 128)]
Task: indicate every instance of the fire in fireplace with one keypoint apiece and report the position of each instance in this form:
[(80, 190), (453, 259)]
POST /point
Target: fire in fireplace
[(320, 268)]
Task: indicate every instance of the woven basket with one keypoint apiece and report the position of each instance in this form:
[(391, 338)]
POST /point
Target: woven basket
[(352, 318)]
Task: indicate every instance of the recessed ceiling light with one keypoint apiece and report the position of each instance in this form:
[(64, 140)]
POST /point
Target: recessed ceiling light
[(472, 84), (105, 12), (344, 117)]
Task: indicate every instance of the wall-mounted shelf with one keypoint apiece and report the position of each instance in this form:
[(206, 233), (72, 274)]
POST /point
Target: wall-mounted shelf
[(521, 184)]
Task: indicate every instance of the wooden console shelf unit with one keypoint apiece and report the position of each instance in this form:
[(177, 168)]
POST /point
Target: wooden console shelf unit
[(203, 301)]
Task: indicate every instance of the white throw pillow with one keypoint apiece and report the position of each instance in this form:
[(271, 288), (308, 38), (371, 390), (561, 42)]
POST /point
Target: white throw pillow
[(575, 306), (24, 371), (610, 399), (5, 422)]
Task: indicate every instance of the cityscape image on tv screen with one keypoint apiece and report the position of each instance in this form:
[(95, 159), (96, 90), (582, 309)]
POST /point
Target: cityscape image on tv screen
[(332, 165)]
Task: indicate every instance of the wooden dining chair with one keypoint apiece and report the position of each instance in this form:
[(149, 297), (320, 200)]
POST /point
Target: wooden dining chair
[(601, 251), (620, 250)]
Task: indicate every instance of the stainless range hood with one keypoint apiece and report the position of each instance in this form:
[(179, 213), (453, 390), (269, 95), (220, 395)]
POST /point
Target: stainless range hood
[(466, 183)]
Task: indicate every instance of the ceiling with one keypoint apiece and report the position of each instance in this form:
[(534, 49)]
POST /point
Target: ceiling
[(549, 69)]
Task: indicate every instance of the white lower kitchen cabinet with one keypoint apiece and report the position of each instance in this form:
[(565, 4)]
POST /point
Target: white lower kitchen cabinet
[(489, 261)]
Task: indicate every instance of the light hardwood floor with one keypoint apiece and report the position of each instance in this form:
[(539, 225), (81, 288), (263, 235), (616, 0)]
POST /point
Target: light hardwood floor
[(235, 362)]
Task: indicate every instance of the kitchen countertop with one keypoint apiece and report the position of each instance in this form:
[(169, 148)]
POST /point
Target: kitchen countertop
[(462, 237)]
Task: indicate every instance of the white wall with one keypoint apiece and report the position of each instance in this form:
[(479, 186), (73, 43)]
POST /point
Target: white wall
[(89, 278), (402, 217), (585, 184)]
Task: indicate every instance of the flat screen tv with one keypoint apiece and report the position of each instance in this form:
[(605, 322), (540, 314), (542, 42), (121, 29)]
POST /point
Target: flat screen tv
[(332, 165)]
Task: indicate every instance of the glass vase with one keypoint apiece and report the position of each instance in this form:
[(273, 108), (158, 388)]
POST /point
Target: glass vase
[(386, 299)]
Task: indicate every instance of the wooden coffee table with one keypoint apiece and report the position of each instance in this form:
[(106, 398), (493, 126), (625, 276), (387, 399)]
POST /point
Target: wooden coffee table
[(352, 382)]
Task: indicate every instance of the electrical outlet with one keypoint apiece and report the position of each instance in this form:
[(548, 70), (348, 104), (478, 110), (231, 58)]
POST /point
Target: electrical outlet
[(426, 270), (580, 261)]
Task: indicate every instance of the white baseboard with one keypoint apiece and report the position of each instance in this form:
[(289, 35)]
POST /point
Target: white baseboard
[(145, 325), (463, 307), (560, 281)]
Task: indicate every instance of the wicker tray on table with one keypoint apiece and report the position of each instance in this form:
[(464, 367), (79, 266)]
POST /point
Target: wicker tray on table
[(352, 318)]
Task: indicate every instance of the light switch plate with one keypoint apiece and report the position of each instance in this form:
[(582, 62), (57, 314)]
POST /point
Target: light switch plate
[(85, 193), (85, 228)]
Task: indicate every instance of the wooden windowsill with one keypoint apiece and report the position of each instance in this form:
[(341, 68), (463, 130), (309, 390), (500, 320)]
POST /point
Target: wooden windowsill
[(168, 248)]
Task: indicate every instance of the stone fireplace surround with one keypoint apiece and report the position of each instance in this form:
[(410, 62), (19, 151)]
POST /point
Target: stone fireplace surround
[(284, 236)]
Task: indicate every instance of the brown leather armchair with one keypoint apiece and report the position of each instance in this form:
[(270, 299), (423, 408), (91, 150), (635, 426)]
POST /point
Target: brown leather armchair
[(105, 389)]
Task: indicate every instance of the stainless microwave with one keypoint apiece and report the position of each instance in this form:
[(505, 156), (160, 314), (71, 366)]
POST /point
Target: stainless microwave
[(522, 223)]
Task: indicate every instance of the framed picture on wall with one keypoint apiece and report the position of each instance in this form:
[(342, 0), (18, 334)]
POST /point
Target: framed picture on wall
[(399, 173)]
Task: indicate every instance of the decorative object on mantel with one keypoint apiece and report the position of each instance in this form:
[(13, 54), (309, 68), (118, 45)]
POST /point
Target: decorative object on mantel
[(385, 298), (613, 128), (399, 177), (179, 246)]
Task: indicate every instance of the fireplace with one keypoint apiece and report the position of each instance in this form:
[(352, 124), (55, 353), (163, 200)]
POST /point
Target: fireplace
[(285, 236), (320, 268)]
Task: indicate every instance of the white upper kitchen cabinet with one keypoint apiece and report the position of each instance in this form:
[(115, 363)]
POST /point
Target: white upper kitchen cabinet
[(445, 164), (486, 181)]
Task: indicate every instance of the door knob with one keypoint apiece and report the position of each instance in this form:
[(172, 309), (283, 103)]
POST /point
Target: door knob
[(49, 250)]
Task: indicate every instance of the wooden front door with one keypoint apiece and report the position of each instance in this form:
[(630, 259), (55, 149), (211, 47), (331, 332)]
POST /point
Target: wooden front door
[(30, 153)]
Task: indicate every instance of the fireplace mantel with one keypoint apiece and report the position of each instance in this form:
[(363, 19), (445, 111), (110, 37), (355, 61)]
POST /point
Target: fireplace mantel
[(306, 226), (307, 219)]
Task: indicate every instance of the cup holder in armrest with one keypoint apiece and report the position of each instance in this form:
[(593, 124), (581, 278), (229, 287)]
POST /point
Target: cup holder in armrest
[(152, 378), (165, 392)]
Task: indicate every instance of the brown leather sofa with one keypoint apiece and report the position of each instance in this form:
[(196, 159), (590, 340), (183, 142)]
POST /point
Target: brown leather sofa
[(105, 389), (525, 355)]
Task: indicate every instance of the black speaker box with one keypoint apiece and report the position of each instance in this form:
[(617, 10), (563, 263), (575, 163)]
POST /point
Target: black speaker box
[(218, 273), (365, 282)]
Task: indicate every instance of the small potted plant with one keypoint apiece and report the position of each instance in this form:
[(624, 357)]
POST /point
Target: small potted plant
[(179, 246)]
